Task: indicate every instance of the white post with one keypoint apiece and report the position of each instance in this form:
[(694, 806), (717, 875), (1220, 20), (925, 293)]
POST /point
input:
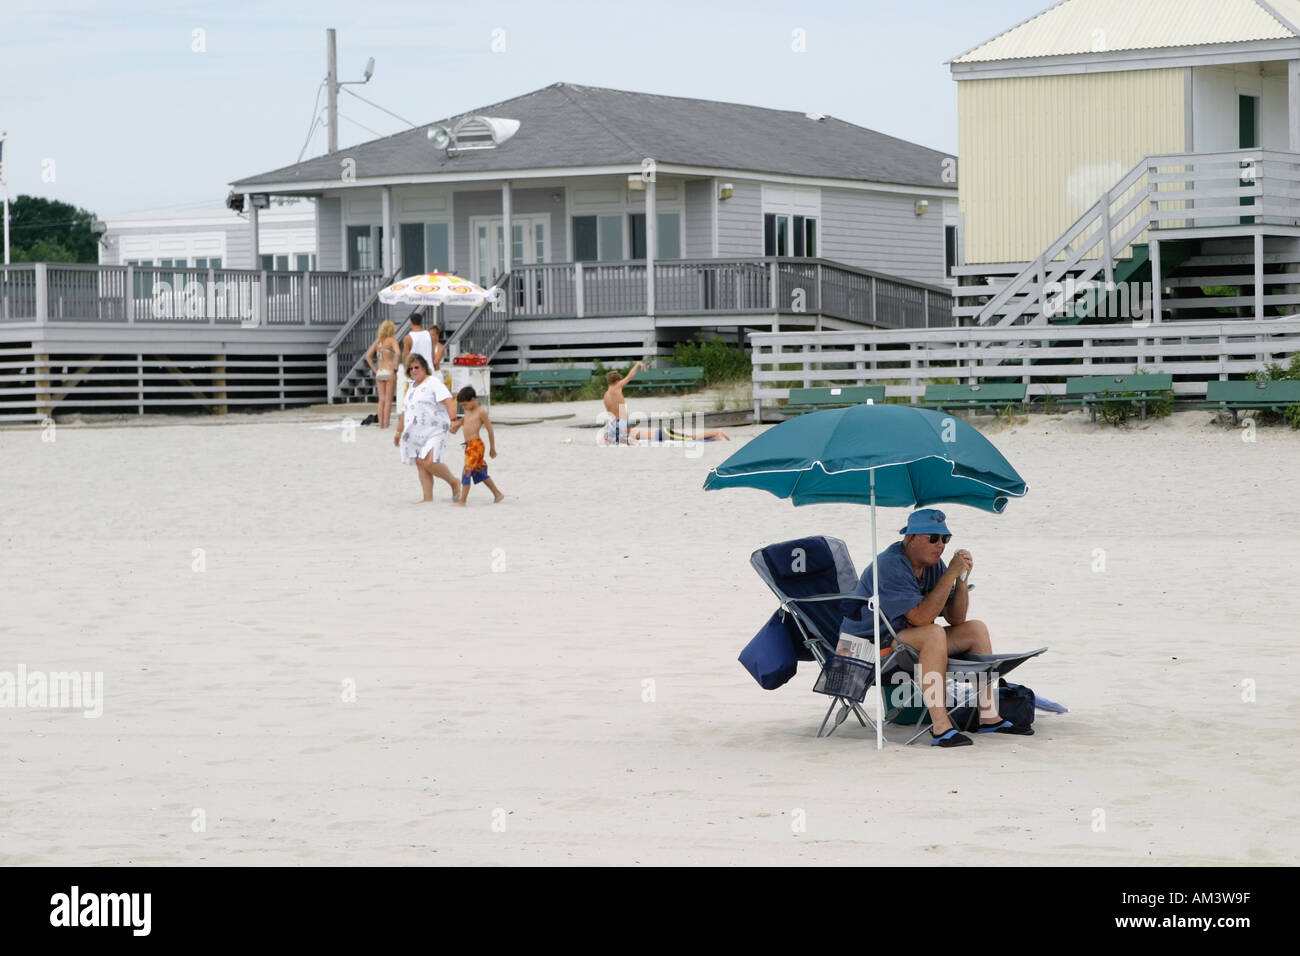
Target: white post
[(386, 226), (875, 621), (1107, 252), (507, 227), (1157, 283), (1293, 103), (651, 245), (42, 291), (252, 223), (1259, 276), (579, 304)]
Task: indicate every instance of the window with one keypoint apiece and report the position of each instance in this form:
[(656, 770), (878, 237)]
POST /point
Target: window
[(789, 235), (176, 280), (303, 261), (363, 247), (141, 284), (585, 246), (426, 247), (805, 236), (213, 262), (598, 238), (949, 249), (266, 262), (670, 238), (611, 238)]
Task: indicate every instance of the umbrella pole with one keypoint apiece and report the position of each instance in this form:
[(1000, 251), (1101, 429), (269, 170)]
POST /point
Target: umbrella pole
[(875, 621)]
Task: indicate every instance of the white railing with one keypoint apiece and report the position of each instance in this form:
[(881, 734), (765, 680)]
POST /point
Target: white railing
[(1160, 197), (53, 292), (1042, 357)]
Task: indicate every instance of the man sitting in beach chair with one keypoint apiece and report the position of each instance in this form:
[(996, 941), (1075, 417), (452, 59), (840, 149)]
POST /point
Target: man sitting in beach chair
[(916, 588)]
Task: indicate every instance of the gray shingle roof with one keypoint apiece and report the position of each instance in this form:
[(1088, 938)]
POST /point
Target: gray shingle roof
[(564, 125)]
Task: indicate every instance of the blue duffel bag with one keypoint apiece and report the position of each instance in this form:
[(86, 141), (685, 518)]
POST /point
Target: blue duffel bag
[(770, 657)]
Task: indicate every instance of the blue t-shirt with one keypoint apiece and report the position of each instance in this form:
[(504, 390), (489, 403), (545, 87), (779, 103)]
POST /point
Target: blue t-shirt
[(901, 590)]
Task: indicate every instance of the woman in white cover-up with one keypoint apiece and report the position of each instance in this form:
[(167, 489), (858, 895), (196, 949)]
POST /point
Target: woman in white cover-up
[(424, 425)]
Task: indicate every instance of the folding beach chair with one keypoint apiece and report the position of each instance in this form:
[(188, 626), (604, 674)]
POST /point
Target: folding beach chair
[(813, 578)]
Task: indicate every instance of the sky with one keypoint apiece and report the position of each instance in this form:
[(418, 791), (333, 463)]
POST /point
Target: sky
[(121, 107)]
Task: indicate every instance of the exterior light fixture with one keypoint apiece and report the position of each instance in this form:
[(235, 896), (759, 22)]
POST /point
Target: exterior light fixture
[(922, 206), (726, 190)]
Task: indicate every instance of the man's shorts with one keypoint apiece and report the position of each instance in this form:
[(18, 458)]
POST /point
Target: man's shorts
[(615, 430)]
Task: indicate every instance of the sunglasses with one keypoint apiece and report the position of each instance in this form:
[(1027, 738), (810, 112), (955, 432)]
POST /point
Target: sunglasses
[(935, 538)]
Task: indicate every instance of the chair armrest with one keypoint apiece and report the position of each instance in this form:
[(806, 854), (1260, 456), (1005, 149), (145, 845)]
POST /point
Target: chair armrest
[(849, 596)]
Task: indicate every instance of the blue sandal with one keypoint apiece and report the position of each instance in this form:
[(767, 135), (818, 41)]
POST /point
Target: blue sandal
[(952, 737)]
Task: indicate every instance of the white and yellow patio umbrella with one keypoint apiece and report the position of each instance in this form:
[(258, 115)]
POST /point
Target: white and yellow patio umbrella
[(435, 288)]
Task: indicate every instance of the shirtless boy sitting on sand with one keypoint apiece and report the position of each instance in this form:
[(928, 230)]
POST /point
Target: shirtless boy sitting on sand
[(616, 407), (475, 417)]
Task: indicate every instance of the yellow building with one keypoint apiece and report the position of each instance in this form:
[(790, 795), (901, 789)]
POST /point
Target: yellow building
[(1100, 134)]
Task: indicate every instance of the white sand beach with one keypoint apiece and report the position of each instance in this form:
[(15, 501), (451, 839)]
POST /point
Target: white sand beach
[(553, 680)]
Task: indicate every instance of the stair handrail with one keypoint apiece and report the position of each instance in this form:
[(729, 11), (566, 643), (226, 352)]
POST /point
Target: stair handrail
[(1045, 269), (484, 329), (346, 332)]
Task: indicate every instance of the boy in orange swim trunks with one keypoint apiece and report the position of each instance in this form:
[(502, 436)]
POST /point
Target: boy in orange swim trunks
[(475, 417)]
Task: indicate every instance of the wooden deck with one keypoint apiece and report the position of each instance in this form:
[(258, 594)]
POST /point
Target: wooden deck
[(83, 338), (121, 339)]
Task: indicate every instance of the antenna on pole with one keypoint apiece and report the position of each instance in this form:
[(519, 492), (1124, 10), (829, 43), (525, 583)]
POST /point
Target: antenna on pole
[(331, 81)]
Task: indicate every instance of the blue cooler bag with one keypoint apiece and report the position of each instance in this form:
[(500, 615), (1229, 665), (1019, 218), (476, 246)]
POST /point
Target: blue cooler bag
[(770, 656)]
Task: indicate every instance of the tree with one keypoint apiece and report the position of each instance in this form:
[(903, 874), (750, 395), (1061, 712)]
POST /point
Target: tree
[(46, 230)]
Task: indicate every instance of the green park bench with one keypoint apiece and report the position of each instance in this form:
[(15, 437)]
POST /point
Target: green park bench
[(544, 378), (685, 377), (994, 395), (1090, 391), (1235, 397), (804, 400)]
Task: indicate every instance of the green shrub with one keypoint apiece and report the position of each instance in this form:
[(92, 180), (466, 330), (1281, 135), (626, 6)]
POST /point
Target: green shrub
[(721, 362), (509, 392), (1159, 405), (1273, 372)]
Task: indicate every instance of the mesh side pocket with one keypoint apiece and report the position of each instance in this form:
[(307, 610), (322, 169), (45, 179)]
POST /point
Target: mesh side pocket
[(845, 677)]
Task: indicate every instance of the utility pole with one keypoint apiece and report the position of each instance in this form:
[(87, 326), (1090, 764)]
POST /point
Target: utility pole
[(331, 80), (5, 182)]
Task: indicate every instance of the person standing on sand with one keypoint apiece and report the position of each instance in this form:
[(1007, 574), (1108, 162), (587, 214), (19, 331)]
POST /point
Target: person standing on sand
[(384, 350), (915, 588), (476, 417), (423, 427), (616, 406), (418, 341)]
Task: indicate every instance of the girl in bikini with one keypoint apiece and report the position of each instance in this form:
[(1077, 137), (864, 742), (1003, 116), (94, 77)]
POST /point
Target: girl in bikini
[(384, 350)]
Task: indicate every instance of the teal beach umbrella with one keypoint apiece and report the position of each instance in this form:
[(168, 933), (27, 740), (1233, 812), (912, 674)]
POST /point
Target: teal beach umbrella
[(891, 455), (916, 456)]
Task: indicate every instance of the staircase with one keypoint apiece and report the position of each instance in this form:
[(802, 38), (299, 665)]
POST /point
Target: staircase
[(1099, 305), (1185, 201), (345, 358), (484, 330)]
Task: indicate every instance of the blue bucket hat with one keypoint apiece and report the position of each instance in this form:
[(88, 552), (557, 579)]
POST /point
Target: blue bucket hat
[(926, 521)]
